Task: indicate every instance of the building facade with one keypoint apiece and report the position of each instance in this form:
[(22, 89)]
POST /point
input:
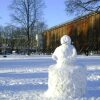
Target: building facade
[(84, 32)]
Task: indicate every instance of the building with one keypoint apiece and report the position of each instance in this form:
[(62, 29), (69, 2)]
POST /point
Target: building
[(39, 44), (84, 32)]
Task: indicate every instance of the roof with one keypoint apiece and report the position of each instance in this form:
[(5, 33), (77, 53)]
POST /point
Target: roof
[(70, 21)]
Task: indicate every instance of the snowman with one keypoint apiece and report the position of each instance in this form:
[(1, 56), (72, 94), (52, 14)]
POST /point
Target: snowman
[(66, 79)]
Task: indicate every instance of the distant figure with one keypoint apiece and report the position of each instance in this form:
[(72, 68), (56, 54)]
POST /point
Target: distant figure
[(66, 79)]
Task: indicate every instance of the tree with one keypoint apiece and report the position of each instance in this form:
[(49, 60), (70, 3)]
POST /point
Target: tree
[(82, 6), (27, 13)]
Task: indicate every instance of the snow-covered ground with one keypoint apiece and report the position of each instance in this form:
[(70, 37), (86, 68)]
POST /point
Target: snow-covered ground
[(25, 77)]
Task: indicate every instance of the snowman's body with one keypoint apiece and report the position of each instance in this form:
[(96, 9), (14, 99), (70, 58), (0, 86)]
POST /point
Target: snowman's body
[(66, 79)]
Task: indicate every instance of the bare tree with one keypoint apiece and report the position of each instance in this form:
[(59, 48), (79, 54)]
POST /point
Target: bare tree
[(82, 6), (27, 13)]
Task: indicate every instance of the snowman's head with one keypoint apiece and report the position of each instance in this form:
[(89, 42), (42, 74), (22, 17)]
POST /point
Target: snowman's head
[(65, 39)]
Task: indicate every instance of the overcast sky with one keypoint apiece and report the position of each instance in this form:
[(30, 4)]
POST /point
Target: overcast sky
[(54, 12)]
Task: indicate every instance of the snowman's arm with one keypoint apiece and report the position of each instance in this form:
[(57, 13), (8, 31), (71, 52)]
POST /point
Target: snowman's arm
[(73, 55), (54, 55)]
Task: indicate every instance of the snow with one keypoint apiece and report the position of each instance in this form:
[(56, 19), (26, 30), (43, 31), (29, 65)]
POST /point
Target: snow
[(25, 77)]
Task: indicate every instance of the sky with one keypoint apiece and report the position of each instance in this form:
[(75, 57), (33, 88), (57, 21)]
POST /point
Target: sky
[(54, 12), (4, 12)]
